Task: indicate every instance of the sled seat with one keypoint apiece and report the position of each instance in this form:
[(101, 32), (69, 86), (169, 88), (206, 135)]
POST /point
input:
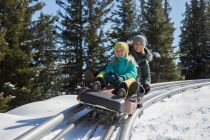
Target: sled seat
[(103, 98)]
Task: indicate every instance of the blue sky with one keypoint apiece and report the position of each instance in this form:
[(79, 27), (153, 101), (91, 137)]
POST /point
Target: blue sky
[(178, 8)]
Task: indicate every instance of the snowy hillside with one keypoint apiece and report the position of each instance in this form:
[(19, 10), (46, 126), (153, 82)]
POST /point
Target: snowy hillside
[(183, 116), (21, 119)]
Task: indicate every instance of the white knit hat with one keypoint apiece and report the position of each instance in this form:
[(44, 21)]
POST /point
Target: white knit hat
[(140, 38)]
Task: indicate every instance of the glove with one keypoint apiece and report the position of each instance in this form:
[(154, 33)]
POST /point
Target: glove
[(121, 78), (113, 74), (111, 77), (146, 88), (114, 79), (118, 81)]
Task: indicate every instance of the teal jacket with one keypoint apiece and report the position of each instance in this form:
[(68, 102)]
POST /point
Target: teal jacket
[(123, 67), (143, 65)]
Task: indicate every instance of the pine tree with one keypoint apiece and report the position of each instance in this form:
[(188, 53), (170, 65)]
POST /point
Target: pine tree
[(167, 9), (43, 57), (170, 68), (95, 40), (185, 49), (3, 44), (194, 41), (4, 102), (124, 20), (154, 17), (208, 40), (159, 32), (72, 39), (142, 16), (83, 39), (203, 57), (16, 75)]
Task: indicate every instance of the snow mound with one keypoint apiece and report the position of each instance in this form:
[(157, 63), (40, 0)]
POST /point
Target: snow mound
[(21, 119), (182, 117), (47, 108)]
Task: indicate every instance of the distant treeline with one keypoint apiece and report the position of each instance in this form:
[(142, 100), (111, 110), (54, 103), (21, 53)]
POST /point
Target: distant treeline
[(45, 57)]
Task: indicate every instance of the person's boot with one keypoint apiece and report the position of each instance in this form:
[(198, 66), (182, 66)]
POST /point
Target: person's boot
[(140, 95), (141, 91), (88, 78), (139, 105), (96, 86), (121, 92)]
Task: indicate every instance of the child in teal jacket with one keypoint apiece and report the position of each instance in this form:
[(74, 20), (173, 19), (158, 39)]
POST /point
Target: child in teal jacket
[(121, 68)]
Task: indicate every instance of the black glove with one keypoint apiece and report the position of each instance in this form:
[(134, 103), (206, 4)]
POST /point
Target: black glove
[(111, 77), (113, 74), (118, 81), (146, 88)]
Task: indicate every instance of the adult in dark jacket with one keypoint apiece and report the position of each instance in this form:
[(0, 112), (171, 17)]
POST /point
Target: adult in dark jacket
[(142, 55)]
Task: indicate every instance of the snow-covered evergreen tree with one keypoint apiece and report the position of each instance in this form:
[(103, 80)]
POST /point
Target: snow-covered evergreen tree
[(159, 32), (141, 17), (96, 41), (194, 41), (83, 39), (72, 40), (44, 57), (17, 71), (124, 20)]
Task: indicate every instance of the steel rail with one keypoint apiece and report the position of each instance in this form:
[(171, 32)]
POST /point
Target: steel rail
[(125, 132), (71, 126), (40, 130), (160, 88), (181, 81), (112, 128)]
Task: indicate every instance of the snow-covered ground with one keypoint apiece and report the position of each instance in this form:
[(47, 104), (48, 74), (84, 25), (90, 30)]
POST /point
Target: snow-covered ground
[(181, 117), (21, 119), (185, 116)]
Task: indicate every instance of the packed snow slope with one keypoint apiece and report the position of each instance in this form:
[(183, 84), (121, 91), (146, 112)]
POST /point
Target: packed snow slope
[(185, 116), (23, 118), (182, 117)]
